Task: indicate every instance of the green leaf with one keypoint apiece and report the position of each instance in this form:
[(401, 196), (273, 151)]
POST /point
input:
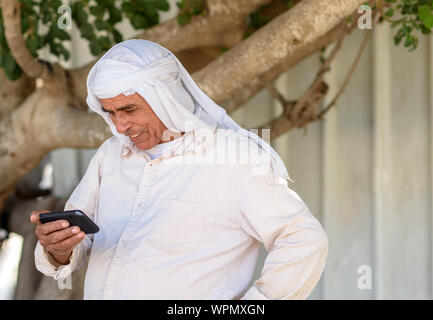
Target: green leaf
[(117, 36), (32, 44), (27, 3), (59, 33), (104, 42), (407, 29), (415, 24), (426, 16), (197, 7), (162, 5), (44, 6), (409, 41), (12, 70), (55, 4), (40, 41), (3, 43), (398, 37), (14, 74), (405, 9), (54, 48), (184, 18), (25, 22), (150, 9), (415, 44), (101, 24), (78, 14), (2, 58), (87, 31), (127, 7), (138, 21), (115, 15), (97, 11), (180, 4), (95, 47), (424, 30), (9, 62), (397, 22), (64, 53), (47, 16), (389, 12), (107, 3)]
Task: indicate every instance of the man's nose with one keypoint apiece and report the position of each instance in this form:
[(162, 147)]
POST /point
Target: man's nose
[(122, 124)]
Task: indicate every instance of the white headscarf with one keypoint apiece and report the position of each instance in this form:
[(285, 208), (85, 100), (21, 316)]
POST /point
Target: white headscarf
[(146, 68)]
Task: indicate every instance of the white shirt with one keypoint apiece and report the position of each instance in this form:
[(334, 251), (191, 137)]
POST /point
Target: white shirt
[(176, 230), (157, 150)]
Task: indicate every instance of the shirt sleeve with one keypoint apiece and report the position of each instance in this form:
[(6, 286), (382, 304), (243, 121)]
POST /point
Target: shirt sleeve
[(296, 243), (84, 198)]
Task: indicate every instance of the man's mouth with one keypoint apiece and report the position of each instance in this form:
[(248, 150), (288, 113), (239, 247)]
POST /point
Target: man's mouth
[(135, 136)]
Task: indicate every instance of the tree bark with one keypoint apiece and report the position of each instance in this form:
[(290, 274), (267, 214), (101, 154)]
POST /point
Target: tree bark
[(41, 124)]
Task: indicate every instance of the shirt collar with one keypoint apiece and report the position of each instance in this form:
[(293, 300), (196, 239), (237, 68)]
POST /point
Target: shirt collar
[(189, 142)]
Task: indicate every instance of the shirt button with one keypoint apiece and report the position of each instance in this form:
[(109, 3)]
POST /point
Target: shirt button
[(111, 283), (123, 243)]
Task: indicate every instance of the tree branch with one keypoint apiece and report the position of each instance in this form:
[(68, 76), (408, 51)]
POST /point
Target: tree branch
[(287, 105), (25, 136), (304, 110), (349, 75), (243, 94), (82, 130), (13, 93), (222, 26), (12, 23), (283, 37), (301, 103)]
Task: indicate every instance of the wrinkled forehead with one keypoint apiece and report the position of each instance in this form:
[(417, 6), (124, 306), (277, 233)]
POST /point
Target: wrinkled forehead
[(122, 99)]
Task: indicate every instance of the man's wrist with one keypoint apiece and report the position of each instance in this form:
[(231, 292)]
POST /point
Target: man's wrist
[(59, 260)]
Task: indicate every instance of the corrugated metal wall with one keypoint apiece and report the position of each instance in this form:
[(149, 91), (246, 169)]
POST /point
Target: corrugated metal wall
[(366, 171)]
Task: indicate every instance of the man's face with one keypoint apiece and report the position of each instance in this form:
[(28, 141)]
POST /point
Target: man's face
[(134, 117)]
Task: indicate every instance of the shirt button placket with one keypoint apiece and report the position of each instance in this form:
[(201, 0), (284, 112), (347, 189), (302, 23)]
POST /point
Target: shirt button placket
[(149, 172), (115, 267), (120, 253), (110, 289)]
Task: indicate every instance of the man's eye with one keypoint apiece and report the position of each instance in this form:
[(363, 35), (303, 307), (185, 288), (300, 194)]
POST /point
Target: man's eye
[(130, 110)]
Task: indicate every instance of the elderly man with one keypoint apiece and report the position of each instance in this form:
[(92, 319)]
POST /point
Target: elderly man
[(174, 223)]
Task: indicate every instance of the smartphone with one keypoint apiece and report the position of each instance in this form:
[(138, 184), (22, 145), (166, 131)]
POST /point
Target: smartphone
[(74, 217)]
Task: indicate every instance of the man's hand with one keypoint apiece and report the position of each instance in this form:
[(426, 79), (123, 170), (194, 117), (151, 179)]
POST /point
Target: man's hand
[(56, 237)]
